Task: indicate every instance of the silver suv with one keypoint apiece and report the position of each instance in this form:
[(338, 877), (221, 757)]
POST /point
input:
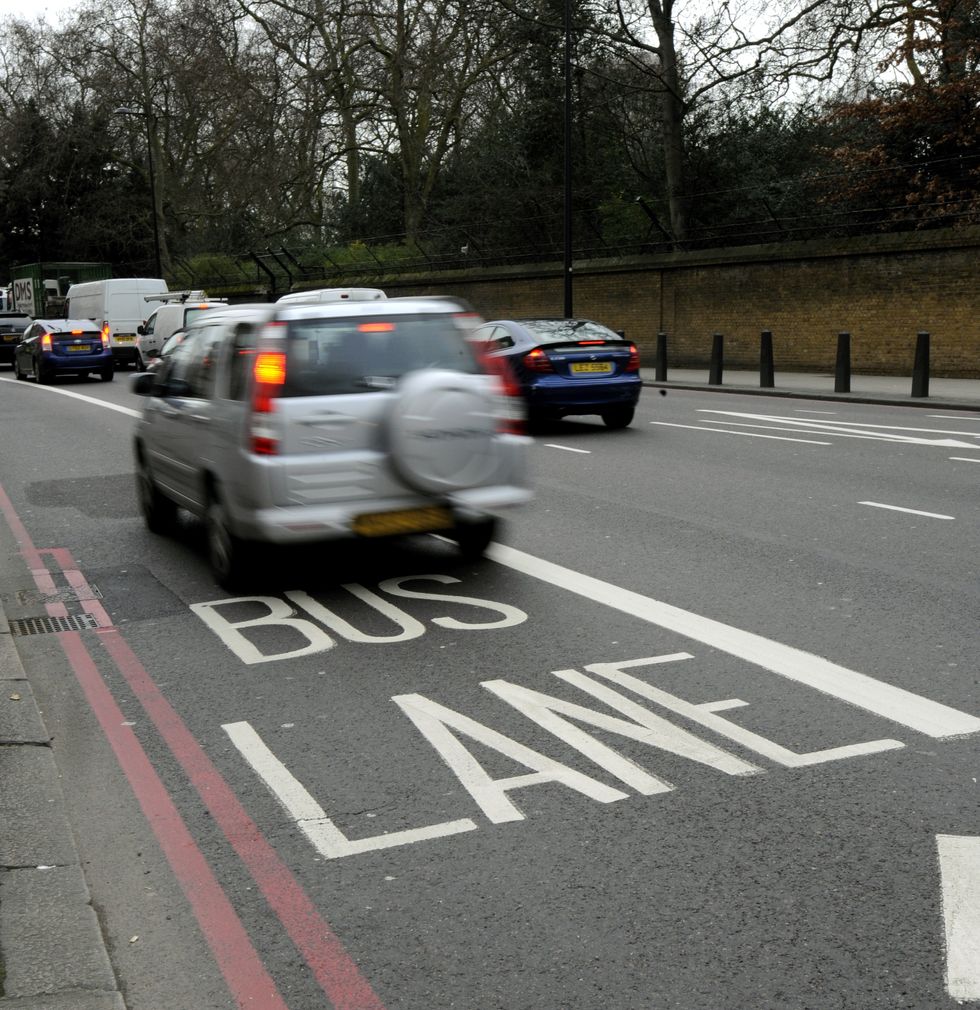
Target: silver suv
[(292, 423)]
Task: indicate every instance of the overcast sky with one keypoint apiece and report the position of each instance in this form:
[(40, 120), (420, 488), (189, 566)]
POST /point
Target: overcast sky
[(34, 8)]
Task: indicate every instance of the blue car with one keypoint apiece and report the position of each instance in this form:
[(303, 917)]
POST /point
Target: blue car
[(53, 347), (568, 366)]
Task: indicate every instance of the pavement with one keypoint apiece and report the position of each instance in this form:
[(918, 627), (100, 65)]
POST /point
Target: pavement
[(950, 394), (52, 952)]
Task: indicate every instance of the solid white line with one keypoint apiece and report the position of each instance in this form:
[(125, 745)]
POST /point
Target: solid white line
[(832, 425), (803, 410), (567, 448), (898, 508), (959, 872), (955, 417), (901, 706), (966, 459), (749, 434), (82, 396)]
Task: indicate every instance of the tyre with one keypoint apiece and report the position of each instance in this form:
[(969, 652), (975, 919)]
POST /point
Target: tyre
[(138, 363), (20, 375), (159, 512), (44, 375), (472, 539), (618, 417), (107, 373), (228, 555)]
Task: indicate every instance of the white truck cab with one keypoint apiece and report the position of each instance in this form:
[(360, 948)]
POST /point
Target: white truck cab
[(178, 310)]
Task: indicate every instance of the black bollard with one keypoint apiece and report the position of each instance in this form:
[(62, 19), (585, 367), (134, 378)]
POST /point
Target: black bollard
[(920, 370), (767, 378), (842, 373), (661, 363), (717, 360)]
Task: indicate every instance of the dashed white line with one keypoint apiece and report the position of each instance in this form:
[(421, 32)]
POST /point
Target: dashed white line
[(749, 434), (82, 396), (899, 508), (966, 459), (567, 448), (803, 410)]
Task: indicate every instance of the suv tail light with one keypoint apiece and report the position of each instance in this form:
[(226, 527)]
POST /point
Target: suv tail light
[(537, 361), (512, 417), (269, 373), (633, 365)]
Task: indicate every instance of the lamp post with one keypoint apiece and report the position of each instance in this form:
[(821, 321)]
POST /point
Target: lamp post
[(567, 172), (147, 116)]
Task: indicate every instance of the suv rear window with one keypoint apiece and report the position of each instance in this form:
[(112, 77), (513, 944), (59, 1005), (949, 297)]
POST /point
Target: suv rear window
[(366, 353)]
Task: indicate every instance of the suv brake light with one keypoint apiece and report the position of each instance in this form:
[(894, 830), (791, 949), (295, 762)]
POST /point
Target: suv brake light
[(512, 418), (269, 373)]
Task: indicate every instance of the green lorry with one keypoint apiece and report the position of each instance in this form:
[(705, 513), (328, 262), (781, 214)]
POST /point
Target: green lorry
[(39, 289)]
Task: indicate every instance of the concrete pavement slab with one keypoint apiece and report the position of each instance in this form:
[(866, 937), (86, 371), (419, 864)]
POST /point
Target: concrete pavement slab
[(50, 935), (20, 720), (74, 1000), (35, 830)]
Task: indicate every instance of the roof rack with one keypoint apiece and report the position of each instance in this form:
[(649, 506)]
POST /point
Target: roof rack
[(182, 296)]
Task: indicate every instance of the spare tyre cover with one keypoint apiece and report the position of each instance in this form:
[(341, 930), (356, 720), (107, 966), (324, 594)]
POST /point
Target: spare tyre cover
[(442, 430)]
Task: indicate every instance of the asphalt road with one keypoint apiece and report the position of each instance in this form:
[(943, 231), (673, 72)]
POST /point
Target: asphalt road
[(701, 732)]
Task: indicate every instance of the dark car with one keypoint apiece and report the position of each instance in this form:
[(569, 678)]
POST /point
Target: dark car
[(568, 366), (53, 347), (12, 326)]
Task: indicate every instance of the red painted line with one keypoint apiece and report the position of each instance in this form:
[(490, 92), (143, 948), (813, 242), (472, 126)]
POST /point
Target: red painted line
[(239, 963), (330, 963), (323, 952)]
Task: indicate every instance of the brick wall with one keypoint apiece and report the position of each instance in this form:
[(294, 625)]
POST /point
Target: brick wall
[(881, 289)]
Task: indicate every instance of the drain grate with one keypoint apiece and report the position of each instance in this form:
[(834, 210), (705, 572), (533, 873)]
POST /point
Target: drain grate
[(47, 625)]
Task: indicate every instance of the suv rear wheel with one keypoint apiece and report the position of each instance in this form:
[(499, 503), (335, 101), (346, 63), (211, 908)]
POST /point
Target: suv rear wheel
[(473, 538), (228, 554), (159, 512)]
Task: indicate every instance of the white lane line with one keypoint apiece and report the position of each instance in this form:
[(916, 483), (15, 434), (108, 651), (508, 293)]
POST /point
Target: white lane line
[(750, 434), (899, 508), (836, 425), (803, 410), (82, 396), (955, 417), (567, 448), (903, 707), (959, 872), (966, 459)]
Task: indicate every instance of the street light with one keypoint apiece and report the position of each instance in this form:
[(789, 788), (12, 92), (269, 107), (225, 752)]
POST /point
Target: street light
[(567, 263), (146, 116)]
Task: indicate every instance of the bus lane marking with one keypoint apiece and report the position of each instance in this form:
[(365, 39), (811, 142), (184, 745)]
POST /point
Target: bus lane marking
[(959, 872)]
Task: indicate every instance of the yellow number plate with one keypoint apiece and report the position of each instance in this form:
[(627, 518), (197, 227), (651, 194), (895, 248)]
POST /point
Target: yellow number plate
[(84, 348), (9, 337), (125, 339), (593, 367), (386, 524)]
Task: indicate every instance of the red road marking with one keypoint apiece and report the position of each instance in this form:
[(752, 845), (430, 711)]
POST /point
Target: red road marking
[(238, 960)]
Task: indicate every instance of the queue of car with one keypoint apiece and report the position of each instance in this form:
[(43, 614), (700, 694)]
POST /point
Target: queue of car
[(341, 413)]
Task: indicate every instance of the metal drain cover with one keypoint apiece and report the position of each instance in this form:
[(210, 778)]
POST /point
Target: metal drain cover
[(48, 625)]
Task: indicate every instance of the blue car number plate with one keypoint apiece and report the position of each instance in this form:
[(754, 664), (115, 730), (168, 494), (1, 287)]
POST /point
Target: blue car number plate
[(592, 367)]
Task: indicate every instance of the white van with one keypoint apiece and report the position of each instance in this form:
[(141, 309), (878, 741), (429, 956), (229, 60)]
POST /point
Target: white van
[(120, 304), (173, 313)]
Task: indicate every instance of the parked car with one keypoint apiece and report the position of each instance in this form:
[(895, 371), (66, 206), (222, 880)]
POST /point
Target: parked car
[(301, 422), (12, 326), (568, 366), (53, 347)]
